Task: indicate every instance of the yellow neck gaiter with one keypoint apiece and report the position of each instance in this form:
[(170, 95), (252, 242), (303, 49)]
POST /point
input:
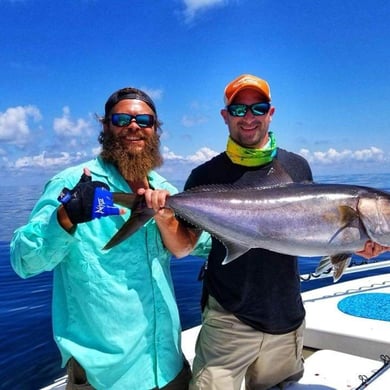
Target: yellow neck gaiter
[(251, 157)]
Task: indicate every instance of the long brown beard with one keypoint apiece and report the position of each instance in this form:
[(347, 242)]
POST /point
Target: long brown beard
[(133, 165)]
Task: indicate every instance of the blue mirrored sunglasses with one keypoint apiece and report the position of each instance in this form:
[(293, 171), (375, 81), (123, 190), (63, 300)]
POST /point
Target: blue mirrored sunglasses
[(142, 120), (257, 109)]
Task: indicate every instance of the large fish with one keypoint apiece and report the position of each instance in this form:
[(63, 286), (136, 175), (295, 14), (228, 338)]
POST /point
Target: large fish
[(305, 219)]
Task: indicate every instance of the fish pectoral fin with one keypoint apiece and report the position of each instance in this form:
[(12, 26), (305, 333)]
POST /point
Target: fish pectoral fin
[(233, 250), (337, 262), (140, 214), (348, 215)]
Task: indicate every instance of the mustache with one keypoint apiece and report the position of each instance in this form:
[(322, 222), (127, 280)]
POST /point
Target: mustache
[(136, 134), (245, 121), (108, 140)]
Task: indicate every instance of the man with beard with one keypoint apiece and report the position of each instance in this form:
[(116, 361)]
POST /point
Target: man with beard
[(115, 319)]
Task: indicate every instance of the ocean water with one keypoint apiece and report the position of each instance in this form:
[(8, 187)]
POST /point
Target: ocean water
[(29, 358)]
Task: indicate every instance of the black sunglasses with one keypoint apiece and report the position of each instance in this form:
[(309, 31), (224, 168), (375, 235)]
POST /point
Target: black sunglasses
[(142, 120), (257, 109)]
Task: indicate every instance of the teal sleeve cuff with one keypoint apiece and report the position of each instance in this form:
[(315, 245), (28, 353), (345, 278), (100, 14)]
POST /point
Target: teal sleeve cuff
[(203, 246)]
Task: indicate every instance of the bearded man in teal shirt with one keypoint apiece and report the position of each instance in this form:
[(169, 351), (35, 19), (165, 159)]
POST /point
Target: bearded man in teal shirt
[(115, 318)]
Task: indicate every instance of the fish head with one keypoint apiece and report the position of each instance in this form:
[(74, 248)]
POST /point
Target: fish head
[(374, 212)]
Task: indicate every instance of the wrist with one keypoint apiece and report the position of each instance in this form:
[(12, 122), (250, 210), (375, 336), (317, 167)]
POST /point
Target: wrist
[(165, 214)]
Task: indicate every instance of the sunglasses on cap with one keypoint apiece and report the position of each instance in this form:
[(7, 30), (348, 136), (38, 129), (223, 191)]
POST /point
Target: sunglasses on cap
[(142, 120), (240, 110)]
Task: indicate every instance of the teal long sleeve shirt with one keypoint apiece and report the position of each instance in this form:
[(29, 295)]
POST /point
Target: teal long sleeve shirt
[(114, 311)]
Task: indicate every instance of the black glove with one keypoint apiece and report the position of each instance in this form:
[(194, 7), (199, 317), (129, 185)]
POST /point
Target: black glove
[(88, 200)]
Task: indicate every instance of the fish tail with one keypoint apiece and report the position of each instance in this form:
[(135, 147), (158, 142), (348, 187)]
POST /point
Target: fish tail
[(125, 199), (140, 214)]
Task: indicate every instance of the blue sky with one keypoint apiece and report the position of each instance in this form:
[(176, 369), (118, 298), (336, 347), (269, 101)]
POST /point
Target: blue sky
[(327, 63)]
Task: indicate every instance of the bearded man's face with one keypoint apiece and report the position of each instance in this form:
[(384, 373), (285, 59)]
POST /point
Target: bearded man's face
[(133, 149)]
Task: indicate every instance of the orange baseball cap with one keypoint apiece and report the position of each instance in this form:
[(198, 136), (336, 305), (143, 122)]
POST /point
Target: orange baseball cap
[(246, 81)]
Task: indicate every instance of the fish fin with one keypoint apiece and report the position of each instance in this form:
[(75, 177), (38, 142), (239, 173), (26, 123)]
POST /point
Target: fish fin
[(140, 214), (125, 199), (348, 215), (273, 177), (337, 262), (340, 263), (233, 251), (277, 174), (324, 265)]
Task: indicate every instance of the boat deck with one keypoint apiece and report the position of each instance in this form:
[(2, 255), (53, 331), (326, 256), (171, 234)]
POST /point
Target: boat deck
[(332, 370), (327, 327)]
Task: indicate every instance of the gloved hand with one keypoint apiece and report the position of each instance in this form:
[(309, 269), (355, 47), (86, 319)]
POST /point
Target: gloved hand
[(88, 200)]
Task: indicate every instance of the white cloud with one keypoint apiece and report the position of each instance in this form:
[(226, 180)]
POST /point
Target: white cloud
[(65, 127), (169, 155), (372, 153), (14, 124), (177, 167), (200, 156), (43, 160), (332, 155), (193, 7)]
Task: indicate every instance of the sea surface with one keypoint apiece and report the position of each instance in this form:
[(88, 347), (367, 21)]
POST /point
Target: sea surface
[(29, 358)]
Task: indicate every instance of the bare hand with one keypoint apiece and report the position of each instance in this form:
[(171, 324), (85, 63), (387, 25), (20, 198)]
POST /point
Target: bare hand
[(156, 200)]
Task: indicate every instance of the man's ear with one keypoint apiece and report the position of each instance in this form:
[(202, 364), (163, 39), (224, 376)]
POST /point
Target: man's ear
[(271, 112), (224, 114)]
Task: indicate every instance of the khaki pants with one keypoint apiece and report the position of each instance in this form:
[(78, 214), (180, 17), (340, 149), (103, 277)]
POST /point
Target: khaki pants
[(227, 351), (77, 379)]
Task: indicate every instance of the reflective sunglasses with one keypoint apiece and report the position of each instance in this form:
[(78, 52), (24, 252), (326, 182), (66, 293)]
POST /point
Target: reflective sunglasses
[(257, 109), (142, 120)]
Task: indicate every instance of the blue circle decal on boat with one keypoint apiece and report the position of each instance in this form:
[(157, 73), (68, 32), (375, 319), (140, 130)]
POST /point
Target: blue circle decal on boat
[(375, 306)]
